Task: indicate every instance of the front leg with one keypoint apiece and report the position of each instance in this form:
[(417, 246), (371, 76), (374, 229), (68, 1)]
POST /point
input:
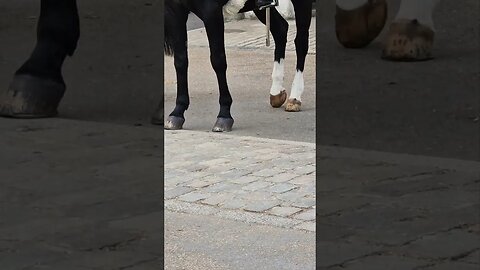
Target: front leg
[(38, 87)]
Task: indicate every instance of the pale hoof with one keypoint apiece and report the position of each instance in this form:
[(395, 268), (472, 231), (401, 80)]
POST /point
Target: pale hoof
[(174, 123), (408, 41), (278, 100), (223, 124), (358, 27), (293, 105)]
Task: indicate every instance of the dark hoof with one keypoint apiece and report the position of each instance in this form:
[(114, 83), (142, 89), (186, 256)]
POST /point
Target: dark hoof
[(157, 118), (31, 97), (223, 124), (174, 122), (358, 27), (278, 100)]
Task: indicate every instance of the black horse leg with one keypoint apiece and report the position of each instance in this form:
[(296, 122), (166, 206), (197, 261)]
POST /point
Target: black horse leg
[(176, 41), (279, 30), (215, 28), (38, 86)]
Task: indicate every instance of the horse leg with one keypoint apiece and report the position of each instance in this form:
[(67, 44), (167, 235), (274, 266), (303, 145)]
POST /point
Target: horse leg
[(214, 26), (279, 29), (176, 42), (37, 86), (303, 18), (411, 34), (359, 22)]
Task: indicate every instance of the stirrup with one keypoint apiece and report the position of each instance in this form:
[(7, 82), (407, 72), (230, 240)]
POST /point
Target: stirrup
[(263, 4)]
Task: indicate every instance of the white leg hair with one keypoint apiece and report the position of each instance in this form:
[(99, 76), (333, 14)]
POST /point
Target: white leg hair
[(277, 77), (422, 10), (298, 86), (351, 4)]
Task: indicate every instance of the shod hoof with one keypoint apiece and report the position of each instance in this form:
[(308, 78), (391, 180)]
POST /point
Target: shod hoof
[(223, 124)]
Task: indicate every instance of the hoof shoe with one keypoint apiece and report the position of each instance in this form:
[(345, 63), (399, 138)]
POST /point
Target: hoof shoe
[(293, 105), (174, 123), (31, 97), (408, 41), (278, 100), (358, 27), (223, 124)]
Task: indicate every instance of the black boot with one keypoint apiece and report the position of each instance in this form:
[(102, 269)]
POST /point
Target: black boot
[(263, 4)]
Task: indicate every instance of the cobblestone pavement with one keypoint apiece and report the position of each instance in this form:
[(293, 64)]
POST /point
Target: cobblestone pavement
[(80, 195), (263, 181), (392, 211)]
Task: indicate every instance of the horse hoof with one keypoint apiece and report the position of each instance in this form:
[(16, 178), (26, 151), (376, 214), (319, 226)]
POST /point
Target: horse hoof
[(174, 123), (358, 27), (408, 41), (157, 118), (293, 105), (278, 100), (223, 124), (31, 97)]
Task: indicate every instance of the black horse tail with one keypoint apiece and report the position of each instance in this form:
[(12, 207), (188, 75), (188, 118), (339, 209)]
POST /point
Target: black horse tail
[(169, 18), (168, 46)]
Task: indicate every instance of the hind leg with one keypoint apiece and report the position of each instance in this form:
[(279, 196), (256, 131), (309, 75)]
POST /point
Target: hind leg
[(176, 31), (411, 34), (38, 86), (215, 28)]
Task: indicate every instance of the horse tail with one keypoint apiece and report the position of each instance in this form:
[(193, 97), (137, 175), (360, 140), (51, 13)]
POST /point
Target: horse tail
[(168, 46), (168, 28)]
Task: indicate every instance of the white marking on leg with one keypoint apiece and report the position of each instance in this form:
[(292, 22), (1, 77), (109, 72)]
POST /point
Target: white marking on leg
[(350, 4), (277, 77), (232, 7), (420, 10), (285, 8), (298, 86)]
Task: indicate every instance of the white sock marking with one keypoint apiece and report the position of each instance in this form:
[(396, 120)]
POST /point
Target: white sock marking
[(277, 77), (298, 86), (416, 9)]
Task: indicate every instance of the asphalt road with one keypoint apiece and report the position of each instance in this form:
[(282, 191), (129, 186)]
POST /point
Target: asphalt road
[(428, 108)]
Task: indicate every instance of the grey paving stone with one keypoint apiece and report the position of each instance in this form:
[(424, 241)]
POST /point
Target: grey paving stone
[(284, 211), (308, 226), (260, 184), (444, 245), (306, 215), (281, 188), (193, 196), (261, 206), (175, 192)]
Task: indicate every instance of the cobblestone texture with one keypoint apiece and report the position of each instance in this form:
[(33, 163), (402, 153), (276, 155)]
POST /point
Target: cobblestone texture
[(240, 176)]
